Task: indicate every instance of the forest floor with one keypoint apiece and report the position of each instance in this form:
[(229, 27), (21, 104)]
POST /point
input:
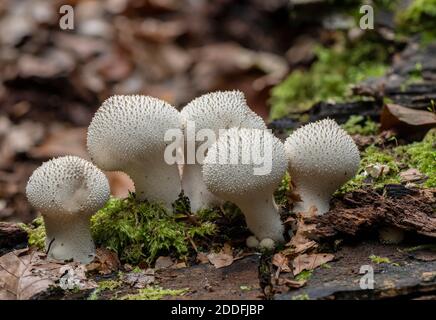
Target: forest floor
[(44, 113)]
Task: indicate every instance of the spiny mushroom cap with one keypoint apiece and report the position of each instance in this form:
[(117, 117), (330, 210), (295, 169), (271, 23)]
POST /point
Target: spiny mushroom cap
[(324, 152), (221, 110), (231, 181), (130, 129), (68, 185)]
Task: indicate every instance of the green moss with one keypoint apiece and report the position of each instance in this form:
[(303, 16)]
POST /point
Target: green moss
[(418, 17), (110, 285), (372, 155), (141, 231), (379, 260), (303, 296), (153, 293), (281, 194), (36, 233), (357, 124), (422, 156), (329, 78), (304, 275)]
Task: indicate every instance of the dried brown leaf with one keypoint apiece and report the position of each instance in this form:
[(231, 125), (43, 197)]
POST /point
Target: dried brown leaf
[(27, 273), (310, 261), (281, 262), (163, 262)]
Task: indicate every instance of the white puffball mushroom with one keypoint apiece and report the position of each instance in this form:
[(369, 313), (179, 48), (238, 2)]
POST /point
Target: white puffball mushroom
[(127, 134), (252, 242), (67, 191), (214, 111), (267, 244), (322, 157), (391, 235), (247, 180)]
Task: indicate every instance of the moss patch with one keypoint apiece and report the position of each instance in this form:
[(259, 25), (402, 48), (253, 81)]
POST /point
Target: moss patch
[(357, 124), (419, 17), (419, 155), (422, 156), (282, 192), (153, 293), (36, 233), (330, 76), (141, 231), (110, 285)]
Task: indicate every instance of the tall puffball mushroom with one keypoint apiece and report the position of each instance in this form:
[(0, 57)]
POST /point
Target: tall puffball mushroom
[(322, 157), (249, 184), (68, 191), (215, 111), (127, 134)]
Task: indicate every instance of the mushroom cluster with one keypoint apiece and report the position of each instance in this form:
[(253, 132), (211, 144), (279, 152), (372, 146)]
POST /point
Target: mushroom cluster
[(128, 134)]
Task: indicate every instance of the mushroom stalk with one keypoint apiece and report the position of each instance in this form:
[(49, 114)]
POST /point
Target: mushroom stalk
[(195, 189), (165, 176), (69, 237), (263, 219), (312, 197)]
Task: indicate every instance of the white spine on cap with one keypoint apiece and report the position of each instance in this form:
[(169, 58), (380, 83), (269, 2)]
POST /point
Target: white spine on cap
[(127, 134), (214, 111), (238, 183), (67, 191), (322, 157)]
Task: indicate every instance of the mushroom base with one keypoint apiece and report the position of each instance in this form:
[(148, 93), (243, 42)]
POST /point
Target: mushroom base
[(263, 218), (69, 237), (195, 189), (312, 198), (156, 182)]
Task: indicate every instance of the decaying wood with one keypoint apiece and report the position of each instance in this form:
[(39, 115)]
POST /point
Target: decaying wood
[(11, 235), (363, 210), (402, 276)]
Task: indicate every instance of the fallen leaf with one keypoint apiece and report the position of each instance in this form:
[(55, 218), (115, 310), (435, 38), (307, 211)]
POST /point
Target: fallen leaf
[(163, 262), (411, 175), (202, 258), (292, 284), (27, 273), (377, 170), (300, 242), (61, 142), (220, 260), (139, 280), (105, 262), (405, 120), (310, 261), (281, 262)]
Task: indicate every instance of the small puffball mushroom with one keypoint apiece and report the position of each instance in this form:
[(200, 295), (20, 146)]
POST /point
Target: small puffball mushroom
[(252, 242), (214, 111), (67, 191), (391, 235), (267, 244), (127, 134), (322, 157), (238, 181)]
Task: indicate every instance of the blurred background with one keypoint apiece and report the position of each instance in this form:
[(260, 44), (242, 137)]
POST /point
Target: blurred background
[(285, 55)]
